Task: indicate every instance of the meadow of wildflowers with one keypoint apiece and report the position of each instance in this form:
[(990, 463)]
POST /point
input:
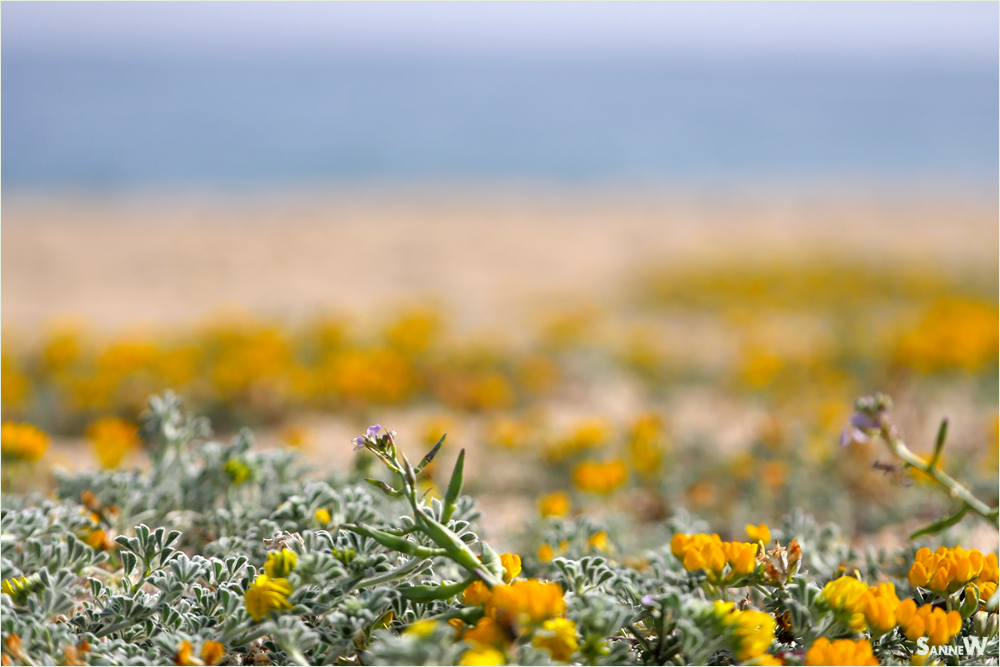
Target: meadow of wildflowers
[(728, 502)]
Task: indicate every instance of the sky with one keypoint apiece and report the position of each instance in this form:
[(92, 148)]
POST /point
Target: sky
[(960, 33)]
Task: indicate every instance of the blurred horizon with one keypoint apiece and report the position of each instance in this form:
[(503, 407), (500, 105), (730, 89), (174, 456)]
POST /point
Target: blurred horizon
[(130, 97)]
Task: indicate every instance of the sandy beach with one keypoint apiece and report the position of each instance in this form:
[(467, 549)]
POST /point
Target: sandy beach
[(487, 256)]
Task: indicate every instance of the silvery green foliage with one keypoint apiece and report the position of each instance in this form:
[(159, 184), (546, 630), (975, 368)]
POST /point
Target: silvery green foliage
[(190, 536)]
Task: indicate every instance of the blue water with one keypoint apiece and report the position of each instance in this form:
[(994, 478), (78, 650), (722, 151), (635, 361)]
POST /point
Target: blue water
[(116, 125)]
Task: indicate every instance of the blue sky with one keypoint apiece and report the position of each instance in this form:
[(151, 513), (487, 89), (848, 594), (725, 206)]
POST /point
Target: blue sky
[(963, 33)]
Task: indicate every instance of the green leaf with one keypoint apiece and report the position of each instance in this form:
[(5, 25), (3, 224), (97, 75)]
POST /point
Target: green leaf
[(940, 524), (454, 488), (430, 455)]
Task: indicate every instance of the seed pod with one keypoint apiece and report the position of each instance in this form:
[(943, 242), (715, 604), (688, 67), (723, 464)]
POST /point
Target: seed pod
[(392, 542), (430, 455), (428, 593)]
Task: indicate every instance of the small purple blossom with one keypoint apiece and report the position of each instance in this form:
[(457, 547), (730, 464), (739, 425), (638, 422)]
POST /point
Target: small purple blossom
[(647, 600), (370, 437), (859, 426)]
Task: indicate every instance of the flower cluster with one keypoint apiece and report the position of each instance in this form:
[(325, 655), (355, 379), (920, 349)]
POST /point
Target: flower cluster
[(266, 595), (879, 604), (928, 621), (750, 631), (840, 652), (600, 477), (22, 442), (555, 504), (946, 570), (847, 596), (988, 578), (112, 439), (521, 607), (179, 564), (722, 561)]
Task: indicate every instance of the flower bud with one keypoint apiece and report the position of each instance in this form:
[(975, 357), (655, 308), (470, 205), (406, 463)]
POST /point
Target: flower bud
[(970, 605)]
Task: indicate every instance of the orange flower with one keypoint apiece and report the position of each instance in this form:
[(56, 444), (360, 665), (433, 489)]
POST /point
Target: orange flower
[(526, 602), (840, 652), (554, 504), (511, 565), (600, 478)]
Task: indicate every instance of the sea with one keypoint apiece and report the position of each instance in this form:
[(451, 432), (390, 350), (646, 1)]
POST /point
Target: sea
[(114, 124)]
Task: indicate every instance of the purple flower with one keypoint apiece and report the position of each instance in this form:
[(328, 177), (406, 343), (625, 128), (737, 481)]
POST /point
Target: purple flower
[(859, 426), (359, 443), (373, 430), (647, 600)]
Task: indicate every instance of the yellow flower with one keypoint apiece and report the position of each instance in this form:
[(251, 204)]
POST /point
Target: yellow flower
[(266, 595), (586, 435), (184, 655), (846, 595), (476, 594), (525, 602), (238, 471), (645, 446), (322, 515), (758, 533), (112, 439), (421, 628), (545, 553), (486, 632), (601, 478), (414, 330), (558, 635), (759, 367), (212, 652), (22, 442), (280, 563), (511, 565), (840, 652), (945, 570), (296, 436), (96, 539), (954, 334), (928, 621), (879, 605), (599, 541), (508, 433), (14, 384), (751, 631), (482, 655), (18, 588), (710, 553), (557, 503), (988, 579)]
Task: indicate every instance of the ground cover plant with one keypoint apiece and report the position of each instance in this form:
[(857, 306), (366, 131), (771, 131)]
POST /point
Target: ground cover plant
[(715, 388), (222, 554)]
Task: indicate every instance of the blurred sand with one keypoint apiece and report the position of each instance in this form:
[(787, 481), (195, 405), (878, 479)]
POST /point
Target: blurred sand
[(485, 255)]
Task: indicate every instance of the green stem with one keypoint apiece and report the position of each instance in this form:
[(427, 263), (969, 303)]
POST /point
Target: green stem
[(403, 571), (257, 631), (955, 489)]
